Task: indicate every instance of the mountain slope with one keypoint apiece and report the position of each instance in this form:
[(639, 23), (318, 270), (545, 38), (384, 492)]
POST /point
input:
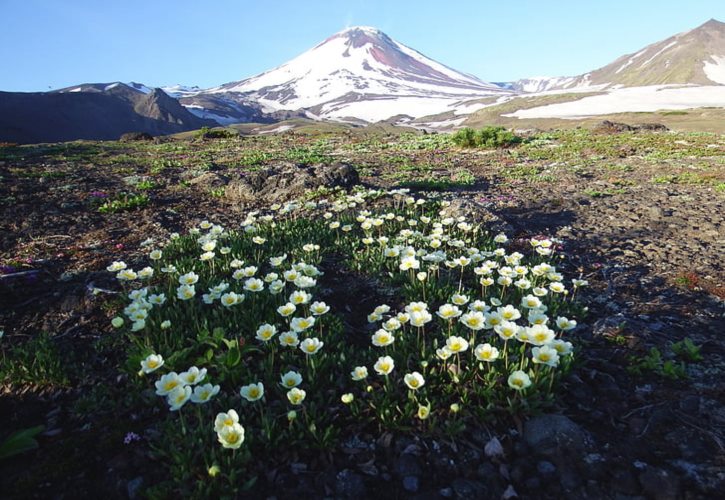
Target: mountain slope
[(694, 57), (358, 73), (92, 111)]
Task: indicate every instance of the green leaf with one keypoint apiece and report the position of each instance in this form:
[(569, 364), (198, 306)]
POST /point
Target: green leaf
[(20, 442), (233, 358)]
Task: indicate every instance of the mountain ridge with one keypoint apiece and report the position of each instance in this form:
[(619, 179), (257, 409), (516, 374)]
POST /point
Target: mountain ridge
[(696, 56)]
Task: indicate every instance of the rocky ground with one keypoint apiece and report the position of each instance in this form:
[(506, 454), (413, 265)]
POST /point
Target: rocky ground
[(639, 213)]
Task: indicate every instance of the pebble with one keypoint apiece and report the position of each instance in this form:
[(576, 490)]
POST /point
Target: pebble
[(411, 483)]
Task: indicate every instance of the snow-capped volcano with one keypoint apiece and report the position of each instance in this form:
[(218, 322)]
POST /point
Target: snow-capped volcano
[(360, 73)]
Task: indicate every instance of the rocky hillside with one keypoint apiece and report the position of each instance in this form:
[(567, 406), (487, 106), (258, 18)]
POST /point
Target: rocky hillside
[(693, 57), (92, 111)]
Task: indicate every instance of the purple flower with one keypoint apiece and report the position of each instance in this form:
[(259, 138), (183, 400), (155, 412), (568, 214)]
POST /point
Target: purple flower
[(98, 194), (131, 437)]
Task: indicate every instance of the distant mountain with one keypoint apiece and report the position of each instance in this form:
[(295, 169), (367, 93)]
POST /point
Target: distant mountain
[(694, 57), (98, 111), (359, 73)]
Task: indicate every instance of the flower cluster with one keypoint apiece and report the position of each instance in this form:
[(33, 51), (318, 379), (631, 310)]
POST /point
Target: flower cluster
[(478, 322)]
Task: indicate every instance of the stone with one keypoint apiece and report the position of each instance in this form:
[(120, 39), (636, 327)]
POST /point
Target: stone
[(546, 469), (493, 448), (287, 182), (468, 489), (136, 136), (133, 487), (624, 481), (660, 484), (408, 465), (349, 484), (554, 436), (411, 483)]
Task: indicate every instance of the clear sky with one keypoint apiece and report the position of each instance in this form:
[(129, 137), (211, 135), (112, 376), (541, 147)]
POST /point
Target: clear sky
[(56, 43)]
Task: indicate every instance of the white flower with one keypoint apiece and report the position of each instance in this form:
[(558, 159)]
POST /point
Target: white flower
[(254, 285), (562, 347), (509, 313), (116, 266), (359, 373), (531, 302), (185, 292), (203, 393), (444, 353), (384, 365), (305, 282), (419, 318), (408, 263), (301, 324), (319, 308), (152, 363), (414, 380), (456, 344), (565, 324), (126, 275), (265, 332), (231, 436), (227, 419), (231, 299), (291, 379), (311, 346), (459, 299), (473, 320), (545, 355), (286, 310), (500, 238), (519, 380), (189, 278), (485, 352), (506, 329), (539, 334), (252, 392), (168, 383), (157, 299), (178, 397), (448, 311), (145, 273), (300, 297), (296, 396), (382, 338), (289, 339), (193, 375)]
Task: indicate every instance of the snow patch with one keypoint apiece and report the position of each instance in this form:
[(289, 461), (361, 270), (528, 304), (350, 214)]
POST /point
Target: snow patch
[(715, 69), (658, 53), (204, 113), (631, 99), (140, 87), (275, 130), (630, 61)]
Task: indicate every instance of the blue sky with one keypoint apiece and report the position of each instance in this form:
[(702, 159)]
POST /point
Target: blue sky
[(51, 44)]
